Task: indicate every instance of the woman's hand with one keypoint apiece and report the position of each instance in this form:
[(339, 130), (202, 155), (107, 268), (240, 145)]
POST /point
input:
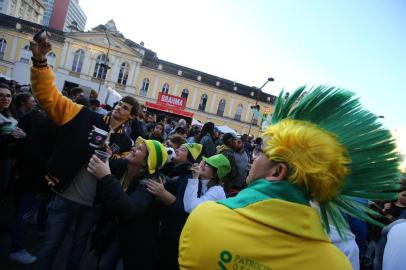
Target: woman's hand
[(196, 170), (40, 50), (156, 188), (98, 168), (18, 133)]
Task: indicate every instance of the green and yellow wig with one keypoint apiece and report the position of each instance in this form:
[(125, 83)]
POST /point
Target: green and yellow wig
[(336, 150)]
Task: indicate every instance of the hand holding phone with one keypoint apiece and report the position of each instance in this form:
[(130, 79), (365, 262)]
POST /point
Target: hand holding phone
[(196, 170), (40, 47)]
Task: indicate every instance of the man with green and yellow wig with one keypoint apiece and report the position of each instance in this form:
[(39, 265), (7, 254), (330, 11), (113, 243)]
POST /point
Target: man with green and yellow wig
[(323, 148)]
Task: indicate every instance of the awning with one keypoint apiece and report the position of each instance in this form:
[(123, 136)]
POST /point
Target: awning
[(168, 109), (226, 129)]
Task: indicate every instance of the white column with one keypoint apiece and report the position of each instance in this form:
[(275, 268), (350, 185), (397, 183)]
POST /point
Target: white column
[(213, 100), (13, 49), (175, 89), (64, 56), (194, 97), (248, 114), (155, 87), (86, 63), (115, 69), (231, 107), (133, 75)]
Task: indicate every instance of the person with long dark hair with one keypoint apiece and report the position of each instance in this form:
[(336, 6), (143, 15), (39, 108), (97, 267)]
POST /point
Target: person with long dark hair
[(10, 134), (23, 103), (125, 197), (207, 138)]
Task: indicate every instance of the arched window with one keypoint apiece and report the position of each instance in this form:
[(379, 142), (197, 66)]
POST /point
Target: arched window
[(78, 59), (100, 69), (203, 102), (165, 88), (221, 107), (238, 112), (51, 59), (3, 46), (185, 93), (144, 87), (123, 74), (26, 54)]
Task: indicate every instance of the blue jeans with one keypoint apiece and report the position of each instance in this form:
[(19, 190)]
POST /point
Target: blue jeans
[(26, 210), (60, 216)]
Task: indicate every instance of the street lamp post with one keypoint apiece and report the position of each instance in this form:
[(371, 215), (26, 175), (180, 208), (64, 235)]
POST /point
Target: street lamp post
[(106, 61), (270, 79)]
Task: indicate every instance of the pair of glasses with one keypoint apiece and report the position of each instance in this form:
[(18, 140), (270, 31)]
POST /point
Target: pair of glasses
[(5, 96)]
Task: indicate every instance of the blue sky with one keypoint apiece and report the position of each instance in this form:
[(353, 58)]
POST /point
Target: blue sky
[(357, 45)]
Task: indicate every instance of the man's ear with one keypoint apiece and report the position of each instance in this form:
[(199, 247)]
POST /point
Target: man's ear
[(131, 117), (279, 171)]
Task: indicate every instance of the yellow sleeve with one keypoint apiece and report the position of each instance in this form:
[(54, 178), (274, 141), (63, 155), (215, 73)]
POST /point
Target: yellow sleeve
[(59, 108)]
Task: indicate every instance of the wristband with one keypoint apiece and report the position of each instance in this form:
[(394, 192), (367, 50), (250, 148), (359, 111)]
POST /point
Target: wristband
[(39, 63)]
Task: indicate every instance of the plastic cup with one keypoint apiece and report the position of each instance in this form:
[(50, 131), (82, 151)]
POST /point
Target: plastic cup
[(7, 128), (98, 138), (103, 156)]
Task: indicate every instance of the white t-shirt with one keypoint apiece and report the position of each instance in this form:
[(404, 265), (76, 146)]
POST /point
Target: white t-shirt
[(394, 256), (190, 199), (347, 245)]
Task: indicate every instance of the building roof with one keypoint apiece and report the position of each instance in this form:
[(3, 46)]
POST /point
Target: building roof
[(224, 84)]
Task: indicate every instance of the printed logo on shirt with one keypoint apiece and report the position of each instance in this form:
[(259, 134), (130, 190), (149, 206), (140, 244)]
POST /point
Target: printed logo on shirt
[(229, 262)]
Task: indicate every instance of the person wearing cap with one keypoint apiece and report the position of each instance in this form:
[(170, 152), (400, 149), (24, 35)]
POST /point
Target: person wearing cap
[(206, 183), (323, 148), (229, 140), (173, 214), (125, 195)]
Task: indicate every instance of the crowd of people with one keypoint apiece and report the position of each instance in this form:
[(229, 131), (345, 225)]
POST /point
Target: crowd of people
[(134, 205)]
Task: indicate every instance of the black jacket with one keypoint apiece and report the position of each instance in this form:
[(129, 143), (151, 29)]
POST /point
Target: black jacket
[(138, 223), (173, 218), (72, 150), (34, 151)]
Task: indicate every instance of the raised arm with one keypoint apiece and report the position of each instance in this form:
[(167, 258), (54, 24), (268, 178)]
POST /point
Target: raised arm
[(59, 108)]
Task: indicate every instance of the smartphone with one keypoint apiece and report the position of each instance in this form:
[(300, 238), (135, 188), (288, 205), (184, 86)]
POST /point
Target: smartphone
[(41, 35)]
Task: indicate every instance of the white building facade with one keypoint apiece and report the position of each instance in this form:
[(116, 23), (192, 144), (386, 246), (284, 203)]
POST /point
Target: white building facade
[(29, 10)]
